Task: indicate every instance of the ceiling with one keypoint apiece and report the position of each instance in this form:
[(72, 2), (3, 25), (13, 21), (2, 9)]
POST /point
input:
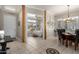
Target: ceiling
[(11, 8), (56, 9)]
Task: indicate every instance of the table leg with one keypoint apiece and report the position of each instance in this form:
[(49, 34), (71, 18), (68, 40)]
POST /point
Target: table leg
[(66, 43)]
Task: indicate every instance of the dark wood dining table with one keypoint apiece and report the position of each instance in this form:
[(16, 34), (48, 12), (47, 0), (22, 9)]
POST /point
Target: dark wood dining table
[(68, 36)]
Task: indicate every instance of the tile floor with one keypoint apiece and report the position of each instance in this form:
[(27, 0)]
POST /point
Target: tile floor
[(38, 46)]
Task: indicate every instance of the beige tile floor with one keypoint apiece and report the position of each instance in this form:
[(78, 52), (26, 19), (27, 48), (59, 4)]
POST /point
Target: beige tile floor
[(38, 46)]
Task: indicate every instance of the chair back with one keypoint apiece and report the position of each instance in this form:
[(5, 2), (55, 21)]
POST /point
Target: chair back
[(60, 31), (77, 34)]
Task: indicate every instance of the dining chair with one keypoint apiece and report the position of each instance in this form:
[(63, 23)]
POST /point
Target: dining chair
[(75, 39), (60, 35)]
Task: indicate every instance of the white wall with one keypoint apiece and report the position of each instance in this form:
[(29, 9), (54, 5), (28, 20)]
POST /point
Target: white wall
[(10, 25), (73, 13), (65, 14), (1, 20), (9, 19), (34, 11), (20, 26), (50, 26)]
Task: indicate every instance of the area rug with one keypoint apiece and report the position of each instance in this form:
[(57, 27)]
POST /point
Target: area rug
[(52, 51)]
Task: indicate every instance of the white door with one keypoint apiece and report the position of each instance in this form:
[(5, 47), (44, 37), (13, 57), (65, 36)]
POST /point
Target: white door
[(10, 25)]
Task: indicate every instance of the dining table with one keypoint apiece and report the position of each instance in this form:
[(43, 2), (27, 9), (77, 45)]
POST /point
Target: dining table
[(68, 36)]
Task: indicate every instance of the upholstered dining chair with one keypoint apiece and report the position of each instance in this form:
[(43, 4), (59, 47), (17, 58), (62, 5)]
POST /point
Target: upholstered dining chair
[(60, 35), (75, 38)]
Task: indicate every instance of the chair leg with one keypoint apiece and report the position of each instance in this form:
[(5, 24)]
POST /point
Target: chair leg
[(62, 41), (70, 43), (76, 45), (66, 43)]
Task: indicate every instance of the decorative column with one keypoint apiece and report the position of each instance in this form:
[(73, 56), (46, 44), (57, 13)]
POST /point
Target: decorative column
[(45, 33), (23, 23)]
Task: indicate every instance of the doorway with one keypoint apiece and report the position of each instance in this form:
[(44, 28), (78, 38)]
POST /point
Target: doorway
[(34, 25)]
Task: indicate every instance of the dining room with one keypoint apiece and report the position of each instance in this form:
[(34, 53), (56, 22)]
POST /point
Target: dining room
[(68, 27)]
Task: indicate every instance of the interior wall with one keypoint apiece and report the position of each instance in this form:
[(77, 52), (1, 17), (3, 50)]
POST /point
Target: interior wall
[(20, 26), (50, 24), (2, 13), (64, 15), (34, 11), (10, 24), (1, 20)]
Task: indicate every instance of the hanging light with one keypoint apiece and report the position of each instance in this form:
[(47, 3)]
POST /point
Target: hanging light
[(68, 10), (68, 18)]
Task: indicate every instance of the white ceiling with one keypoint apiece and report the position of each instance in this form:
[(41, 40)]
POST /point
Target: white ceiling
[(56, 9), (11, 8)]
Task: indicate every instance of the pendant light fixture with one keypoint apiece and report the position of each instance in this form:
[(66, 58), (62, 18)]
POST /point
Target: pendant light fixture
[(68, 18), (68, 10)]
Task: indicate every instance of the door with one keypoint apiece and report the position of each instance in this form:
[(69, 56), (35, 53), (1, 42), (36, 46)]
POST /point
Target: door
[(10, 25)]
